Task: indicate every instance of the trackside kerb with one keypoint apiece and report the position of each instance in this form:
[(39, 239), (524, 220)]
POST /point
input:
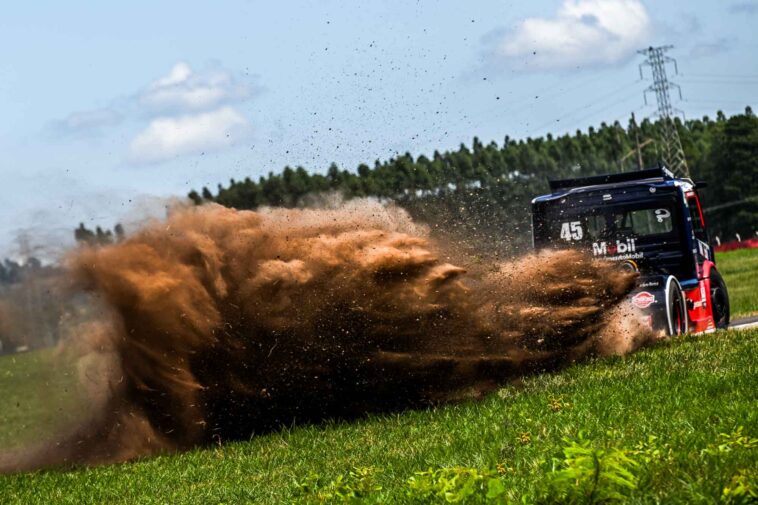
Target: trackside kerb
[(649, 221)]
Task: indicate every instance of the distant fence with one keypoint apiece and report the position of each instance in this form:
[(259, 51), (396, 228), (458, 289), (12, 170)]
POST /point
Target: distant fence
[(742, 244)]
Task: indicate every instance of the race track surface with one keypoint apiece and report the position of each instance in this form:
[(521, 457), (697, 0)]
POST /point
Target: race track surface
[(744, 323)]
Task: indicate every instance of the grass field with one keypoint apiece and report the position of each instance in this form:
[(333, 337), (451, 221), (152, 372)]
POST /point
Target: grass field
[(740, 271), (672, 424), (37, 393)]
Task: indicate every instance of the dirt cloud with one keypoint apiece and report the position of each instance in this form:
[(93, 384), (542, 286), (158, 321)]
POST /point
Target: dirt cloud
[(218, 324)]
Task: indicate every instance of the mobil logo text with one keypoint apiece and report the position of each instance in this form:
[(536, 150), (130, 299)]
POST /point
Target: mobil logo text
[(618, 247)]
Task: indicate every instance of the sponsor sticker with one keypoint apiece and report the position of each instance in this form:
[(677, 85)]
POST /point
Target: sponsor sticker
[(643, 299), (619, 251), (662, 214), (628, 245)]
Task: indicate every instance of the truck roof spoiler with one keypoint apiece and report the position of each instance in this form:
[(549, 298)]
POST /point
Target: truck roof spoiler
[(638, 175)]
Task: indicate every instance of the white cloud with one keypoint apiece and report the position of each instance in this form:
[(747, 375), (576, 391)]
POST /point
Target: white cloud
[(181, 113), (169, 137), (583, 32), (178, 74), (184, 90), (87, 121)]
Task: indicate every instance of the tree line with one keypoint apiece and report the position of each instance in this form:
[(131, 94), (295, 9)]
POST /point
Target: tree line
[(32, 302), (99, 236), (482, 191), (14, 272)]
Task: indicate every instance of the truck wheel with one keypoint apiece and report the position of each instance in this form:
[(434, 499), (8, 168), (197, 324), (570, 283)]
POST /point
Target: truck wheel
[(676, 308), (719, 300)]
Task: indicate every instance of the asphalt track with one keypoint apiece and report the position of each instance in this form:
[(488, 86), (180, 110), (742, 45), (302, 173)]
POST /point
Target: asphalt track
[(744, 323)]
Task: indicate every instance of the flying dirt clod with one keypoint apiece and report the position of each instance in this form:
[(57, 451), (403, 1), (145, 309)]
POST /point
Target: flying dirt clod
[(219, 324)]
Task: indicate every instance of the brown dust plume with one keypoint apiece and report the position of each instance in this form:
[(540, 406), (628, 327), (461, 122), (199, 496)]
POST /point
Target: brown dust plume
[(218, 324)]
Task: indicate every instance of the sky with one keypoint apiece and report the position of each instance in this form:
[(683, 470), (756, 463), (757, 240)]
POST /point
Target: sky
[(109, 110)]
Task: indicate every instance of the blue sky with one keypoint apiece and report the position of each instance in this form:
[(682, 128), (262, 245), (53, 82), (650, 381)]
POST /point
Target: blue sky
[(108, 110)]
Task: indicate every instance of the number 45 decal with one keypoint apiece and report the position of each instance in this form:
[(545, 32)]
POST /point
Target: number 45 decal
[(572, 231)]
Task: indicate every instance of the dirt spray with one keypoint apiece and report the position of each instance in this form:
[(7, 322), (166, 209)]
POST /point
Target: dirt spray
[(219, 324)]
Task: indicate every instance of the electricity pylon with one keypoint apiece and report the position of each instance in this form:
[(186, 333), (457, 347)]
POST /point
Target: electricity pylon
[(673, 154)]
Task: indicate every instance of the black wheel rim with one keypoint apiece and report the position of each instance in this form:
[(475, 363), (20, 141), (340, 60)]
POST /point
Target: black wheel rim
[(676, 326)]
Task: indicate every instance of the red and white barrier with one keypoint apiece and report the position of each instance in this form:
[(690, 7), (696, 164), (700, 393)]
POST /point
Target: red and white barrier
[(742, 244)]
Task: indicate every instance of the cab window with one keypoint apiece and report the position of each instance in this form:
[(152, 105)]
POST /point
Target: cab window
[(644, 222)]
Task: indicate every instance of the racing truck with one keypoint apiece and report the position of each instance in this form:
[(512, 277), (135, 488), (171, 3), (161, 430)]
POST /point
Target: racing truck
[(649, 221)]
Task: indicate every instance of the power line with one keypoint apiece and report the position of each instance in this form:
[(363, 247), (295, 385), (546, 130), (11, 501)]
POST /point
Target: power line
[(626, 98), (723, 76), (733, 82), (753, 198), (673, 154), (717, 102), (590, 105), (545, 93)]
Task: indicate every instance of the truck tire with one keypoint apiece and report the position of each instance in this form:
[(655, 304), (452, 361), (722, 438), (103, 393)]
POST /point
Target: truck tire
[(719, 300), (676, 308)]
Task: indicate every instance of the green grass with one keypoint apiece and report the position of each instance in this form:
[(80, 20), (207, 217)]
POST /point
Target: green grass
[(663, 409), (38, 391), (740, 271)]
